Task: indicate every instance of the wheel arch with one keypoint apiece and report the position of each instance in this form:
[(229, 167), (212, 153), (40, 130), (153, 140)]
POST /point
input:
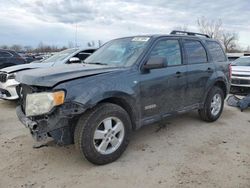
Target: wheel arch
[(127, 104), (221, 84)]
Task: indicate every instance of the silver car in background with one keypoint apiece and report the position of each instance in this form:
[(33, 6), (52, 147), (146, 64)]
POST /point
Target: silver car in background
[(8, 84), (240, 83)]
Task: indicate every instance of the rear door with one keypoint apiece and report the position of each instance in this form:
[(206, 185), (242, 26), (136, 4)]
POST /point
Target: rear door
[(163, 90), (199, 69), (218, 57)]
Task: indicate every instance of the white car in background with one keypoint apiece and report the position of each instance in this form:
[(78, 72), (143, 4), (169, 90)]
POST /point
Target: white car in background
[(8, 84), (240, 83)]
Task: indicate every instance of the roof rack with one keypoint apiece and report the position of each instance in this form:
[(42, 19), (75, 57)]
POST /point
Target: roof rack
[(174, 32)]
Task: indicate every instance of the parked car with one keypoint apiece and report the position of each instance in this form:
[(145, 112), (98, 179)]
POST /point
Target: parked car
[(240, 83), (8, 83), (126, 84), (30, 58), (9, 58)]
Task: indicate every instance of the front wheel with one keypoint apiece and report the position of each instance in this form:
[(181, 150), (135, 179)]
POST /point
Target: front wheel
[(213, 106), (102, 134)]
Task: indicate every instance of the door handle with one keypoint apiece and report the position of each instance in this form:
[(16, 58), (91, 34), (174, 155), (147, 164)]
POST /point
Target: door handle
[(178, 74), (209, 70)]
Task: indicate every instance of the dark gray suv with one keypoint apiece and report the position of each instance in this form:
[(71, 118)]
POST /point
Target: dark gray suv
[(9, 58), (126, 84)]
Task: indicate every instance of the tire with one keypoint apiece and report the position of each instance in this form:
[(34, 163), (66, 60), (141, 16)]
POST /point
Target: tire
[(208, 112), (95, 121)]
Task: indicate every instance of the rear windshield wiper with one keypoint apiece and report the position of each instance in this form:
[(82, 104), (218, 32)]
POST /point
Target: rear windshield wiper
[(97, 63)]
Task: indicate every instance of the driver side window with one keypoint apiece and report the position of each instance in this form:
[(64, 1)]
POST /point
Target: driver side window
[(168, 49)]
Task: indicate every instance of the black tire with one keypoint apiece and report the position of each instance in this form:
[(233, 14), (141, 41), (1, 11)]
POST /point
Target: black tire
[(205, 113), (86, 127)]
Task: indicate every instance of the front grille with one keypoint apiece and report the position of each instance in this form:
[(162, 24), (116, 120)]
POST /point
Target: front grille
[(241, 75), (3, 77), (240, 81)]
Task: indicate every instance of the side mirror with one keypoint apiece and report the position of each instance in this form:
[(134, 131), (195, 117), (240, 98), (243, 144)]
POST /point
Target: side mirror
[(155, 63), (74, 60)]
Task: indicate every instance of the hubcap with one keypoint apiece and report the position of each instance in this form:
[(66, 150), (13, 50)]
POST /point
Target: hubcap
[(216, 104), (108, 135)]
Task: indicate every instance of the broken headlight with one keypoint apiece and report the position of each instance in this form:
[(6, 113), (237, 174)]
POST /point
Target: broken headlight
[(42, 103)]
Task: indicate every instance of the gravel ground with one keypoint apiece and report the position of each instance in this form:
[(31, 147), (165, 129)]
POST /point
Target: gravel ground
[(186, 152)]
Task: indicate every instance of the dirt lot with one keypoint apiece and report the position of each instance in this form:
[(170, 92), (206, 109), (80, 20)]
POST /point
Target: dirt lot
[(185, 153)]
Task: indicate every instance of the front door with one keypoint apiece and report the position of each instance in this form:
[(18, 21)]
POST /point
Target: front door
[(163, 90)]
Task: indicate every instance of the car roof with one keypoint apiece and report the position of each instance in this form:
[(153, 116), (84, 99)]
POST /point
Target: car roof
[(155, 36), (83, 48), (184, 36)]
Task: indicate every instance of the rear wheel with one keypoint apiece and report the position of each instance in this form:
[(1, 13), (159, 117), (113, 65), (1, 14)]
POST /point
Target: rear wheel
[(102, 134), (213, 105)]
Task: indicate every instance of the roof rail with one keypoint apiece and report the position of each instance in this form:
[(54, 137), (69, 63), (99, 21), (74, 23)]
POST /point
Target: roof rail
[(174, 32)]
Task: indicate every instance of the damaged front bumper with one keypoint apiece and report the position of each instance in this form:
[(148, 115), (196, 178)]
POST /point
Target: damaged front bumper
[(59, 124)]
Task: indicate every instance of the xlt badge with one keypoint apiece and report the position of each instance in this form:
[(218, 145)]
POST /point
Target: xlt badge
[(151, 106)]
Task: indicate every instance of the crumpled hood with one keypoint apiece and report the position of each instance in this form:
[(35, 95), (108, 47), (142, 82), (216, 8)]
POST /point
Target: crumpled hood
[(243, 70), (49, 77), (22, 67)]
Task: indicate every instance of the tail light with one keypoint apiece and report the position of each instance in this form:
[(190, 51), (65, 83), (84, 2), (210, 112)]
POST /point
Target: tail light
[(230, 71)]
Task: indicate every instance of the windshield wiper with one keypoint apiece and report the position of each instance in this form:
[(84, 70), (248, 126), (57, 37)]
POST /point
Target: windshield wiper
[(97, 63)]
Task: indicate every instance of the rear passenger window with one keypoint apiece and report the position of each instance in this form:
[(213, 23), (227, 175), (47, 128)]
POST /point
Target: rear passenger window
[(169, 49), (216, 51), (5, 54), (196, 53)]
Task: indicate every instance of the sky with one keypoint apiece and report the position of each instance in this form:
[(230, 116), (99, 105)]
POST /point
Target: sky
[(56, 22)]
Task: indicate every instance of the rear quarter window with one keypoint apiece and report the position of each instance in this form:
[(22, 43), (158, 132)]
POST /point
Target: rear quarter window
[(216, 51)]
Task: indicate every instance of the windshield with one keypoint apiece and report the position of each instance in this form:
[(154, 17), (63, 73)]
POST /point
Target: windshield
[(243, 61), (59, 56), (119, 52)]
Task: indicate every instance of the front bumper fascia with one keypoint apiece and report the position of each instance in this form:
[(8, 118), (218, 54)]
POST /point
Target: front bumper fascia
[(8, 90), (58, 124), (239, 90)]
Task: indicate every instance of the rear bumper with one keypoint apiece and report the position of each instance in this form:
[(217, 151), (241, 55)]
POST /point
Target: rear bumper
[(8, 90)]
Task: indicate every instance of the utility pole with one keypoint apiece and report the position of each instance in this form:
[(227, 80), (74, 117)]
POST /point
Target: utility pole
[(76, 36), (99, 43)]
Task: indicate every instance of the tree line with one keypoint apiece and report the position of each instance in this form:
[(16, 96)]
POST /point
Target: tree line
[(216, 30), (213, 28), (45, 48), (41, 48)]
